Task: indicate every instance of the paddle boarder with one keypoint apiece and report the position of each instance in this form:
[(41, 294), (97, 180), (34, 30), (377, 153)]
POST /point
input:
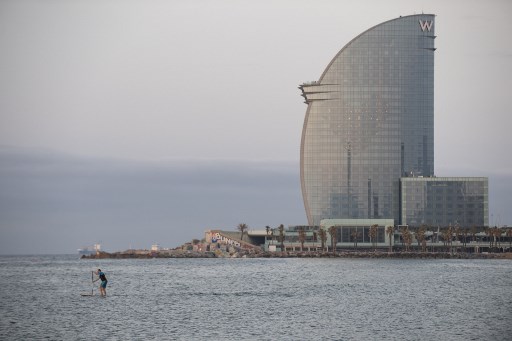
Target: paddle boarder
[(103, 285)]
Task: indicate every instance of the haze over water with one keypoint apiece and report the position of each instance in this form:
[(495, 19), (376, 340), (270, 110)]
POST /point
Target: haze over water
[(256, 299)]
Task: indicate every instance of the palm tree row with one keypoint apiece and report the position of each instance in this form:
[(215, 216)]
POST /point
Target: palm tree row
[(494, 236)]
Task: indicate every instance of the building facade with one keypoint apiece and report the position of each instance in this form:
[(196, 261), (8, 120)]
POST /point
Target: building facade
[(356, 232), (369, 122), (444, 201)]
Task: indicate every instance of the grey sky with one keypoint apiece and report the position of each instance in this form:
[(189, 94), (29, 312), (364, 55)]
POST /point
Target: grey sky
[(141, 87)]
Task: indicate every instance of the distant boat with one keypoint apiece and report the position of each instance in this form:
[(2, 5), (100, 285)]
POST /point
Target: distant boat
[(89, 250)]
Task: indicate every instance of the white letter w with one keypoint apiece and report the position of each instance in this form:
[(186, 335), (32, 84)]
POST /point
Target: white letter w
[(426, 25)]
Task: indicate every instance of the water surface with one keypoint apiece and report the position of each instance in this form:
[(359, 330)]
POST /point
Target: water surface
[(256, 299)]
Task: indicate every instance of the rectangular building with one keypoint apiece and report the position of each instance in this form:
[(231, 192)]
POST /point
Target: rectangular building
[(444, 201), (357, 231)]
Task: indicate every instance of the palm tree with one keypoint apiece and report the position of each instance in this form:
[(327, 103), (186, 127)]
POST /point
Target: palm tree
[(242, 227), (373, 235), (403, 232), (450, 237), (497, 237), (281, 236), (354, 236), (407, 238), (447, 238), (473, 232), (457, 232), (417, 235), (451, 228), (488, 233), (333, 231), (323, 237), (420, 237), (433, 237), (267, 229), (465, 233), (302, 238), (390, 230)]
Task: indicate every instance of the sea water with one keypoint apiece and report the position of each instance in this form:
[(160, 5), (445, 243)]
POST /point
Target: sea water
[(256, 299)]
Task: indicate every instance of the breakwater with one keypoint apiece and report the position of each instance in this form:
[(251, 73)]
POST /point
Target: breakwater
[(141, 254)]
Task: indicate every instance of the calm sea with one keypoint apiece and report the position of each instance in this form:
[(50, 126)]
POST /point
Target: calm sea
[(256, 299)]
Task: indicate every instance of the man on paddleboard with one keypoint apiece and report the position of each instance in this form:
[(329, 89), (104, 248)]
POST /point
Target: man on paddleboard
[(103, 285)]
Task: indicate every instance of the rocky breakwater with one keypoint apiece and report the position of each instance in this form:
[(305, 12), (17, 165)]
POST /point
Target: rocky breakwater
[(145, 254)]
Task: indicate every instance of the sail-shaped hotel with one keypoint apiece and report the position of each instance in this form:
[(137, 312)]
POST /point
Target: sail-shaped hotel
[(367, 149)]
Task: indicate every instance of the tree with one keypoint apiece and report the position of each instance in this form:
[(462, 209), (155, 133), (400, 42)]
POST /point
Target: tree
[(450, 236), (403, 232), (333, 231), (373, 235), (408, 239), (488, 233), (457, 231), (465, 233), (355, 235), (323, 237), (447, 238), (242, 227), (390, 232), (267, 229), (497, 237), (281, 236), (473, 233), (302, 238), (420, 237)]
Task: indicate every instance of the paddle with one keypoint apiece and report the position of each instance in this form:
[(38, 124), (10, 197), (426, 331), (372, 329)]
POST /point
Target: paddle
[(92, 289)]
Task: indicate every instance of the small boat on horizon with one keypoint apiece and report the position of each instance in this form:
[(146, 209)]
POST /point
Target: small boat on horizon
[(89, 250)]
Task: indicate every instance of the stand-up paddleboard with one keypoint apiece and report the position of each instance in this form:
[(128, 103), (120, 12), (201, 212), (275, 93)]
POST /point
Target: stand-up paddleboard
[(92, 289)]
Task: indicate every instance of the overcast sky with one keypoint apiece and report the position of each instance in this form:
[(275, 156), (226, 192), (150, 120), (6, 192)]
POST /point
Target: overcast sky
[(131, 122)]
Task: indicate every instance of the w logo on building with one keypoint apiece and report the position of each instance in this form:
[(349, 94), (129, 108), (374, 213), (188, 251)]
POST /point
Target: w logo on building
[(426, 25)]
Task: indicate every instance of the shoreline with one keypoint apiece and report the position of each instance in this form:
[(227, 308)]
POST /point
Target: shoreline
[(297, 254)]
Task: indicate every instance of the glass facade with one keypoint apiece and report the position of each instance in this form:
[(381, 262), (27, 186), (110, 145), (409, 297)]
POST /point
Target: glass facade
[(360, 234), (370, 121), (351, 231), (444, 201)]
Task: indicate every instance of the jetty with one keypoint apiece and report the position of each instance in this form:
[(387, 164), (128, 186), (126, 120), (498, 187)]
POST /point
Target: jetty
[(244, 253)]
